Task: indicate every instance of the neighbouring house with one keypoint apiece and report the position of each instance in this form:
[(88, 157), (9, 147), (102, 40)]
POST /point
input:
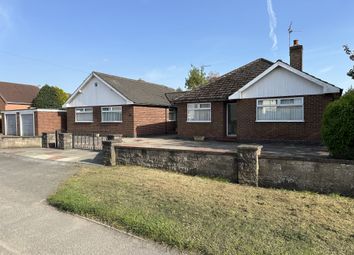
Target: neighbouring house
[(108, 104), (33, 122), (260, 101), (15, 96)]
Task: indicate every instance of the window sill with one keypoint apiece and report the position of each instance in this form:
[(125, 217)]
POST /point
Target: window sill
[(279, 121), (111, 122), (188, 121), (83, 121)]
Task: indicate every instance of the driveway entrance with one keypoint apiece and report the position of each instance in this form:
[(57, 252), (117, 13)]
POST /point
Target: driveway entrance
[(29, 226)]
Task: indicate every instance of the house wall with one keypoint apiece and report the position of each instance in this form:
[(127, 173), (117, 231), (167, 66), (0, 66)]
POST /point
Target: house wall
[(49, 122), (216, 129), (137, 121), (309, 130), (250, 130), (152, 121), (126, 128)]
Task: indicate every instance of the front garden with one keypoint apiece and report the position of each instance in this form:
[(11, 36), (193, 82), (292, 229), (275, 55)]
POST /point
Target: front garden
[(210, 216)]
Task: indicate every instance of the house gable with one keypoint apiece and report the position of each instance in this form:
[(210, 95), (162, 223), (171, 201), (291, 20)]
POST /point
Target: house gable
[(96, 92), (282, 80)]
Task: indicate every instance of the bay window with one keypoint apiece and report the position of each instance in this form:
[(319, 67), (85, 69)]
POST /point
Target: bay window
[(280, 110), (84, 114), (199, 112), (111, 114)]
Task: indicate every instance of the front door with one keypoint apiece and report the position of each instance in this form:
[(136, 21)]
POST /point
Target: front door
[(231, 120)]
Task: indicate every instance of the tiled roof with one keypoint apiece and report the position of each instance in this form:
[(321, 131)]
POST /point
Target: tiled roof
[(18, 93), (138, 91), (227, 84)]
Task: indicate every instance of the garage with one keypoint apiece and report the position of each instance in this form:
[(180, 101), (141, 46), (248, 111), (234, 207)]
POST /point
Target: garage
[(27, 124), (33, 122), (10, 124)]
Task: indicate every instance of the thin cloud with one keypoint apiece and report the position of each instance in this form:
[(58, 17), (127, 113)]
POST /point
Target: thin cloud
[(272, 24), (326, 69)]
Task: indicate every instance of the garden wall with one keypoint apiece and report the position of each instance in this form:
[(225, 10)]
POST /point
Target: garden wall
[(318, 175), (20, 142), (244, 166)]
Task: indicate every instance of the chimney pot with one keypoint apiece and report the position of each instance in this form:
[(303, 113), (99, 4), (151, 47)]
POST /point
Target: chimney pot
[(296, 55)]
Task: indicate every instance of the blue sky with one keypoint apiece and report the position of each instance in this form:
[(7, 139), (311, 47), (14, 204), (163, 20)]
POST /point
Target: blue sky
[(61, 42)]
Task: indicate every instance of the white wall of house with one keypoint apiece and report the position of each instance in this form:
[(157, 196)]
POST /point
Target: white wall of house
[(94, 92), (281, 82)]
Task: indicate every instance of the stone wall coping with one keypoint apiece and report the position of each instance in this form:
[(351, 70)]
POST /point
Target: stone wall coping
[(249, 147), (197, 151), (18, 137), (308, 159)]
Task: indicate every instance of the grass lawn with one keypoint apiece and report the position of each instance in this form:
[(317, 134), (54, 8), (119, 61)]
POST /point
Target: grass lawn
[(210, 216)]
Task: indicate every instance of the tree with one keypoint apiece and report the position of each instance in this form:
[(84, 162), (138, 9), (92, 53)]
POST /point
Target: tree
[(179, 89), (338, 126), (196, 77), (351, 57), (212, 76), (50, 97)]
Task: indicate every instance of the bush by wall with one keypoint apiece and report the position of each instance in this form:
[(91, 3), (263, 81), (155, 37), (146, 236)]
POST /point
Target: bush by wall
[(338, 127)]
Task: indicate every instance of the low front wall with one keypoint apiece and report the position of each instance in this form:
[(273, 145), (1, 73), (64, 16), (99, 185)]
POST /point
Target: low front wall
[(189, 162), (321, 175), (7, 142), (244, 166)]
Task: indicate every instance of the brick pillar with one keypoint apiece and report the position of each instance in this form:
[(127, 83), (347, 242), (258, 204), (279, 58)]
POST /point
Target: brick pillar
[(247, 164), (109, 152), (65, 141)]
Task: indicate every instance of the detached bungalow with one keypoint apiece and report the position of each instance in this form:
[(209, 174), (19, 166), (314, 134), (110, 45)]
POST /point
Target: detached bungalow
[(108, 104), (260, 101)]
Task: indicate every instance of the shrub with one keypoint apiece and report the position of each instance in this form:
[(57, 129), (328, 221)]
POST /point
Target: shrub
[(338, 127), (50, 97)]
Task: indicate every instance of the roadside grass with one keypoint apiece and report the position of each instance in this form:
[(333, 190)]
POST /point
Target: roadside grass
[(210, 216)]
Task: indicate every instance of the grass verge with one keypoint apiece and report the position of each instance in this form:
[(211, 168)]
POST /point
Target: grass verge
[(209, 216)]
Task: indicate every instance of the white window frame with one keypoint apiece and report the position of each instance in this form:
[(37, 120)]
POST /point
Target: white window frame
[(85, 110), (112, 110), (175, 114), (5, 122), (190, 106), (33, 124), (281, 105)]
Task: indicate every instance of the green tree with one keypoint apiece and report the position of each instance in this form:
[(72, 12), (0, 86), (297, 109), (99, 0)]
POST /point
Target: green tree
[(350, 53), (50, 97), (196, 77), (338, 126)]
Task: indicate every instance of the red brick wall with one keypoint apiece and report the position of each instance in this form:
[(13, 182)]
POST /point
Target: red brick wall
[(137, 121), (152, 121), (308, 131), (250, 130), (49, 122), (215, 130), (125, 128)]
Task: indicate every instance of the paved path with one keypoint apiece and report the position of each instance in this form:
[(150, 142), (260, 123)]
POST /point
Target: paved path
[(29, 226)]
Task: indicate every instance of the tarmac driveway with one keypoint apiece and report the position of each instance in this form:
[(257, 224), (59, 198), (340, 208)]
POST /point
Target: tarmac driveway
[(29, 226)]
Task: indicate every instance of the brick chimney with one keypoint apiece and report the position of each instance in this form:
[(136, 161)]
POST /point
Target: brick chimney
[(296, 55)]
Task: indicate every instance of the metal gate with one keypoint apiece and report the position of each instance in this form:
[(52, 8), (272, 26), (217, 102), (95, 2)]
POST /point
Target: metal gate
[(88, 141)]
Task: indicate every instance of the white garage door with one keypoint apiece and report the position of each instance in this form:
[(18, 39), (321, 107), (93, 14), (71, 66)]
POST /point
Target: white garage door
[(10, 124), (27, 125)]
